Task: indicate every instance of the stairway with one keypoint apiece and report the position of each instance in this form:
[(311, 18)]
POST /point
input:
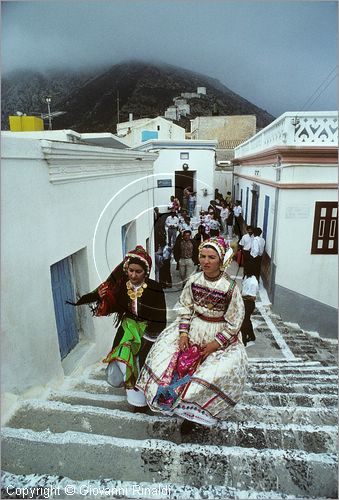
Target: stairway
[(280, 442)]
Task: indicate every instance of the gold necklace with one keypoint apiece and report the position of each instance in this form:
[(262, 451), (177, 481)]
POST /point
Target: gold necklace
[(216, 278), (134, 294)]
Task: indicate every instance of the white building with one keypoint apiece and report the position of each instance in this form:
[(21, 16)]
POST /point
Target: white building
[(104, 139), (181, 164), (135, 132), (70, 212), (201, 90), (183, 107), (172, 113), (286, 177)]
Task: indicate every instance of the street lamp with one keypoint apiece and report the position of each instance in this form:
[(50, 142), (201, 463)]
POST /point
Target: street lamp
[(48, 100)]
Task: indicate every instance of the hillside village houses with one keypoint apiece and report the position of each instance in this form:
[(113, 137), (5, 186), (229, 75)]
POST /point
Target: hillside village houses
[(180, 105), (286, 178), (75, 203)]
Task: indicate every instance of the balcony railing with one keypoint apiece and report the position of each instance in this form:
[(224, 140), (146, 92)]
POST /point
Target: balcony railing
[(309, 128)]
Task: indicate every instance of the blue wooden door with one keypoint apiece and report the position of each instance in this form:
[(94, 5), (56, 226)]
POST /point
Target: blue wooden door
[(265, 222), (65, 314), (246, 210)]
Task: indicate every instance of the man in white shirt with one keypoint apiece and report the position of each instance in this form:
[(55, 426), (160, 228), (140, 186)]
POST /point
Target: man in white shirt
[(172, 224), (256, 253), (249, 293), (245, 245), (237, 211)]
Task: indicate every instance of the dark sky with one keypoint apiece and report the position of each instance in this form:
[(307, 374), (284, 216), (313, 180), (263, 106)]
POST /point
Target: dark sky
[(280, 55)]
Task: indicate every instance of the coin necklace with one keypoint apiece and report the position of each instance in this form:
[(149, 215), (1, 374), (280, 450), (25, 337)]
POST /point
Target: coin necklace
[(134, 294)]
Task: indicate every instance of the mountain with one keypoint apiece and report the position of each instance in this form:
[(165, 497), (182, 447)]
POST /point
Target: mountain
[(146, 90), (26, 91)]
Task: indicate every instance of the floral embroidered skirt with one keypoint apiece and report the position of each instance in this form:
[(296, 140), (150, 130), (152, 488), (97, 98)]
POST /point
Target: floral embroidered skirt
[(214, 388)]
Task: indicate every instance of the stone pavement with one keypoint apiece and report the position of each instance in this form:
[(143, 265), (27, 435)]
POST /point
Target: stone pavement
[(280, 442)]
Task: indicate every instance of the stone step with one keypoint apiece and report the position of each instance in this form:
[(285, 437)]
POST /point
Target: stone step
[(288, 387), (58, 417), (100, 374), (300, 370), (242, 413), (279, 399), (85, 398), (102, 387), (301, 378), (252, 434), (284, 415), (108, 488), (273, 399), (283, 363), (83, 456), (253, 362), (99, 385)]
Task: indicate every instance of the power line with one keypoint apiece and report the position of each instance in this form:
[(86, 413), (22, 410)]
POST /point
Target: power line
[(308, 103), (323, 90)]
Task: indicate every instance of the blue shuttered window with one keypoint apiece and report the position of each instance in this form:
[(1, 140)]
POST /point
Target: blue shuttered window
[(65, 314)]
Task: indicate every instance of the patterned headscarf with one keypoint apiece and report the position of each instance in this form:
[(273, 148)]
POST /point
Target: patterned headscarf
[(224, 251), (138, 253)]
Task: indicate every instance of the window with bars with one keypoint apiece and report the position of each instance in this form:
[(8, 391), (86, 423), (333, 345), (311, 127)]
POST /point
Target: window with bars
[(325, 233)]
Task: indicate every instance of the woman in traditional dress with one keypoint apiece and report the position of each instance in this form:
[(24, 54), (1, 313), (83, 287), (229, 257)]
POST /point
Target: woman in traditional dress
[(207, 329), (139, 304)]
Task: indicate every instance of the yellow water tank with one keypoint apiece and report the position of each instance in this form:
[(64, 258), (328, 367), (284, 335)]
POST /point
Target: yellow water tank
[(25, 123)]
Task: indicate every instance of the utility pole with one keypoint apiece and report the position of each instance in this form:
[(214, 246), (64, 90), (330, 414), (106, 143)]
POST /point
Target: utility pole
[(48, 100), (118, 110)]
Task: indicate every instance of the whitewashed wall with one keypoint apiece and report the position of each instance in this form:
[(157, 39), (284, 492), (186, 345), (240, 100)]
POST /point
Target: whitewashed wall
[(200, 161), (54, 195), (223, 181), (315, 276), (265, 190), (167, 131)]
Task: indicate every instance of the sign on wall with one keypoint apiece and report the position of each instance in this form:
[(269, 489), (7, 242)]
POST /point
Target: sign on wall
[(164, 183), (297, 212)]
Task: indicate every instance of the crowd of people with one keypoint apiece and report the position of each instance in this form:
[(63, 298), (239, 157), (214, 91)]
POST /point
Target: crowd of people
[(223, 217), (195, 367)]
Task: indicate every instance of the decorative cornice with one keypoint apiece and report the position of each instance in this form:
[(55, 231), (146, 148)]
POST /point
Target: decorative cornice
[(287, 185), (77, 162), (294, 155)]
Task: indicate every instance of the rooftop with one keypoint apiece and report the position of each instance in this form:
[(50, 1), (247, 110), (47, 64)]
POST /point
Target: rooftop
[(177, 144), (308, 128)]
